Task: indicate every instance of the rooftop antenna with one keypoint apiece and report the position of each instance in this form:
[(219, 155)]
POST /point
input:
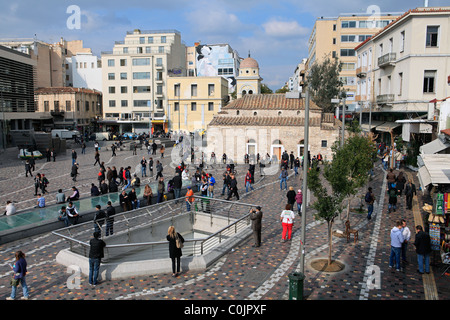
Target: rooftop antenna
[(249, 53)]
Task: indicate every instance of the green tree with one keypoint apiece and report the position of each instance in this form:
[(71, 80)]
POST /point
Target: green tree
[(284, 89), (264, 89), (341, 179), (324, 83)]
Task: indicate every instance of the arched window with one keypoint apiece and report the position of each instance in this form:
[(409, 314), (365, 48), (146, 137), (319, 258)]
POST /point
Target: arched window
[(244, 92), (279, 113), (237, 112), (250, 91), (255, 113)]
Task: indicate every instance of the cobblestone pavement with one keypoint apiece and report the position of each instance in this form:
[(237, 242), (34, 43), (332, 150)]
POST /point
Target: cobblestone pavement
[(244, 273)]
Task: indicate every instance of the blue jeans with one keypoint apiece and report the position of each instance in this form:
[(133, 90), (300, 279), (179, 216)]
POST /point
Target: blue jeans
[(128, 184), (369, 211), (248, 184), (421, 259), (94, 267), (176, 193), (144, 171), (23, 283), (188, 206), (281, 183), (395, 255), (225, 187), (160, 197), (296, 170), (136, 204), (299, 208)]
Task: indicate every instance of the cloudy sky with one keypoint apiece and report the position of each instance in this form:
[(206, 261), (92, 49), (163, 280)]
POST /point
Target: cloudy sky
[(275, 32)]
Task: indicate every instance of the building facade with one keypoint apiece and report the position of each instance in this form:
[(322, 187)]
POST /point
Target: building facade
[(249, 80), (84, 70), (338, 36), (71, 108), (134, 80), (402, 69), (193, 101), (17, 106)]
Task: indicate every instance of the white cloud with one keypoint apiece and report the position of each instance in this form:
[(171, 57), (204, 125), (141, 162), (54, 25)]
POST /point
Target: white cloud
[(277, 28), (214, 21)]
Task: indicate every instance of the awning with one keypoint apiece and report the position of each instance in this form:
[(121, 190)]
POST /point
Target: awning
[(434, 146), (424, 177), (373, 125), (388, 126), (159, 121), (436, 169)]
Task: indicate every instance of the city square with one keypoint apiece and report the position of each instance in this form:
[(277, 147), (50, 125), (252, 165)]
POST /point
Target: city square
[(140, 163)]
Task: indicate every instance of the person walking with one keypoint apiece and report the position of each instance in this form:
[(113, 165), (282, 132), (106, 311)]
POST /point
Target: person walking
[(154, 147), (283, 178), (177, 184), (96, 248), (37, 183), (74, 171), (211, 183), (49, 154), (20, 271), (53, 153), (150, 166), (248, 181), (97, 158), (287, 220), (113, 149), (410, 191), (396, 245), (74, 157), (28, 168), (299, 201), (290, 195), (175, 252), (406, 237), (369, 199), (32, 162), (44, 184), (83, 148), (162, 150), (400, 183), (392, 192), (110, 212), (256, 218), (233, 187), (159, 169), (422, 242)]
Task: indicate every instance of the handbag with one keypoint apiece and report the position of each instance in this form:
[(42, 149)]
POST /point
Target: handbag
[(179, 242), (14, 282)]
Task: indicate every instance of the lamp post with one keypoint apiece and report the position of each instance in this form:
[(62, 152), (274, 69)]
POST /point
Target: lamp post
[(338, 101), (305, 182)]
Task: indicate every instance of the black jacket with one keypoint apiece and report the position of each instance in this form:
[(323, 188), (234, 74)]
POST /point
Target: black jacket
[(177, 183), (96, 248), (174, 252), (422, 243)]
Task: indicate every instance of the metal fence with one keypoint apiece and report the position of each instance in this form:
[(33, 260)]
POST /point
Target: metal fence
[(132, 228)]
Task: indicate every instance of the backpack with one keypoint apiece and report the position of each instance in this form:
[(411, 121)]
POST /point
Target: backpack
[(368, 197)]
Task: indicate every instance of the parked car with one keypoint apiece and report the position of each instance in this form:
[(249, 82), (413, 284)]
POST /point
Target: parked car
[(26, 154), (129, 135)]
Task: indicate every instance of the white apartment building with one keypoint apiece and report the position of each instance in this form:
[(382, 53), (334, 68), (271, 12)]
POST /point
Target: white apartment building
[(84, 70), (402, 68), (134, 80)]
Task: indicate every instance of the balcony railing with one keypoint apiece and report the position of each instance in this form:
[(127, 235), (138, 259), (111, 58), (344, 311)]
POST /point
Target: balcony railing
[(385, 99), (387, 60), (361, 72)]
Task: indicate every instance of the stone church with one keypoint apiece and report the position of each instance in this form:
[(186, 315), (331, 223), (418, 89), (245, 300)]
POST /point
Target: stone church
[(268, 124)]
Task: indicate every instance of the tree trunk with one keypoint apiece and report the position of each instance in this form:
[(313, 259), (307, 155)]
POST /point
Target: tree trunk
[(330, 241), (348, 208)]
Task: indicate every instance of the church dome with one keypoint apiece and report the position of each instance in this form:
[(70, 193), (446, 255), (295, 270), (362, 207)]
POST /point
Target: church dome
[(249, 63)]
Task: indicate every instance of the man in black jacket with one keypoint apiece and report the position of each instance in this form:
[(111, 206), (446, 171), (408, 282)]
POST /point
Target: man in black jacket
[(99, 218), (256, 217), (177, 183), (110, 212), (124, 201), (233, 187), (133, 199), (95, 257), (423, 249), (74, 171)]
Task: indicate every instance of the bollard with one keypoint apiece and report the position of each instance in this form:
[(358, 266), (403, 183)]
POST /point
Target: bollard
[(296, 286)]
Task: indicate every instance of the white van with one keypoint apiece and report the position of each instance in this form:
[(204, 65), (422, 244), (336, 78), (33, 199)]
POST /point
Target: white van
[(65, 134)]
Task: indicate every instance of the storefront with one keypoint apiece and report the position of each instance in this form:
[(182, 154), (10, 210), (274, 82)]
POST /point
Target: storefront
[(434, 178)]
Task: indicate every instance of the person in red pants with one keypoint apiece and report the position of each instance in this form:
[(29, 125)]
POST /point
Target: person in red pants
[(287, 220)]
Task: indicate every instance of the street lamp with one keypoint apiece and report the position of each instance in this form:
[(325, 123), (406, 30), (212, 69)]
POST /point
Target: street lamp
[(338, 101)]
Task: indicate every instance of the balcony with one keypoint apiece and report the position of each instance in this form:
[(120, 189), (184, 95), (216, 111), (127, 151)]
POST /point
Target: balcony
[(361, 72), (387, 60), (385, 99)]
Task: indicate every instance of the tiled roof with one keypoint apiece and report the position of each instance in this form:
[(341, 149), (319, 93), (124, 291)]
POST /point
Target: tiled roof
[(262, 121), (407, 13), (53, 90), (277, 101)]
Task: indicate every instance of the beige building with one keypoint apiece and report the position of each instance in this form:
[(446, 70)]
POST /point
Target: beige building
[(270, 124), (50, 58), (338, 36), (134, 80), (74, 108), (193, 101), (248, 81), (402, 68)]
